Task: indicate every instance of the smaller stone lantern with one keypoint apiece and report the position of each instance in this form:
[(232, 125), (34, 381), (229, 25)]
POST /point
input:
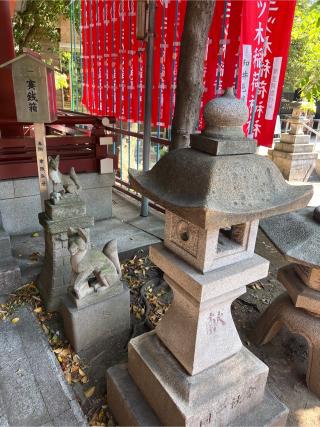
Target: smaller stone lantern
[(294, 154), (193, 369), (296, 235)]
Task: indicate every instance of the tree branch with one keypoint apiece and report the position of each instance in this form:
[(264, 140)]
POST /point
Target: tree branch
[(197, 22)]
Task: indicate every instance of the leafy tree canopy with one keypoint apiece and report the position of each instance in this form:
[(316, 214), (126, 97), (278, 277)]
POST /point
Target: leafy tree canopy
[(304, 56), (38, 23)]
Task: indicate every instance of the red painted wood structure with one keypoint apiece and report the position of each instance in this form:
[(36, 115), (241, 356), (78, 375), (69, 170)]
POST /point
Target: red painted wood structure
[(77, 146)]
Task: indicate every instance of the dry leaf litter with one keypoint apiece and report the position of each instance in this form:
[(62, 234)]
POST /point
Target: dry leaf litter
[(150, 298)]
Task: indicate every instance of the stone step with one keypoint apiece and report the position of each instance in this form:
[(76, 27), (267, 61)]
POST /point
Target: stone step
[(10, 276), (33, 390), (130, 408)]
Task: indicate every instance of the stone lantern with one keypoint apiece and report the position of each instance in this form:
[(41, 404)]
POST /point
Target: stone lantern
[(193, 369), (294, 154), (296, 235)]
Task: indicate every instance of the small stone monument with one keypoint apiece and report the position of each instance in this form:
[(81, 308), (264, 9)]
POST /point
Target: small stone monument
[(96, 311), (296, 235), (10, 276), (193, 369), (294, 154), (63, 210)]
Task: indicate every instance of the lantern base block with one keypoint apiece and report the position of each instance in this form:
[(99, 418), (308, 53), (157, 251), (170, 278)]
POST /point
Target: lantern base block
[(155, 390)]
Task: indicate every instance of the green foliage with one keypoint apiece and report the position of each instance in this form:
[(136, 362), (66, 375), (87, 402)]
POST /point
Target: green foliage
[(304, 56), (61, 80), (308, 107), (65, 58), (38, 23)]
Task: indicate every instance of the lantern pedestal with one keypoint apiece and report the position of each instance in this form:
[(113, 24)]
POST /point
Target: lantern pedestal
[(201, 308), (193, 369)]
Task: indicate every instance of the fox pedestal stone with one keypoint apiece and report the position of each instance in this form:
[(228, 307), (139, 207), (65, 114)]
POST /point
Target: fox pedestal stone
[(90, 325), (193, 370), (96, 311), (296, 235), (58, 217)]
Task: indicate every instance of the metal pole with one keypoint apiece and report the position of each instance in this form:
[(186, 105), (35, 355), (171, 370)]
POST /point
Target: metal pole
[(148, 103)]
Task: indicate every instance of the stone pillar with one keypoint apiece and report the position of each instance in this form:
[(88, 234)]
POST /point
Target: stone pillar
[(55, 274), (193, 369), (10, 276), (294, 154)]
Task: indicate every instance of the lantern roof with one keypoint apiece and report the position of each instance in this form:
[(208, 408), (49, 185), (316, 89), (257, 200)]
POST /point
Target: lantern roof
[(296, 235), (219, 181)]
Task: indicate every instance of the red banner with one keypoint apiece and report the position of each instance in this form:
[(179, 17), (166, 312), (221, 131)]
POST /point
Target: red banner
[(277, 42), (247, 48)]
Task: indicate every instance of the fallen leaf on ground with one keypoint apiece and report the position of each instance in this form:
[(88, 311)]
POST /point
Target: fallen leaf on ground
[(15, 320), (81, 372), (68, 377), (34, 256), (89, 393), (35, 235), (84, 380)]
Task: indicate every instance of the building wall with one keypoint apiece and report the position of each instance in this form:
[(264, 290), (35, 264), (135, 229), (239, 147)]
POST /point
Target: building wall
[(20, 201)]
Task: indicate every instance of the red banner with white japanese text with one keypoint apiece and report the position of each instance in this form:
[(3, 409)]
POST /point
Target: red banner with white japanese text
[(264, 45), (247, 48), (278, 32)]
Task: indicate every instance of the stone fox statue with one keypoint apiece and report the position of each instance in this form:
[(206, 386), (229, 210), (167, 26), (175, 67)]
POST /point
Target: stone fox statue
[(70, 183), (86, 262)]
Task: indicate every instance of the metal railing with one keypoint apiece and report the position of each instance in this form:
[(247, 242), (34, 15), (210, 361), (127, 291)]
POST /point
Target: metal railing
[(311, 127), (128, 147)]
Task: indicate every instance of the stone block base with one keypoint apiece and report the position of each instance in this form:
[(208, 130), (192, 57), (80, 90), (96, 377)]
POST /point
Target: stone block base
[(294, 166), (129, 407), (99, 320), (10, 276), (156, 390)]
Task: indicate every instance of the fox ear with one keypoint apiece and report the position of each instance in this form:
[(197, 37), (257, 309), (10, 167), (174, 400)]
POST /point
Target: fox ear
[(71, 231), (57, 157), (49, 158), (82, 234)]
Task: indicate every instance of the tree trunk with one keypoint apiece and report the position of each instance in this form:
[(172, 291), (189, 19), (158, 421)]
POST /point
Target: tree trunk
[(189, 90)]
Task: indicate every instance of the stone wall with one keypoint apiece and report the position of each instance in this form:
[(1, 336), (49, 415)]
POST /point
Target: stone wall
[(20, 201)]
